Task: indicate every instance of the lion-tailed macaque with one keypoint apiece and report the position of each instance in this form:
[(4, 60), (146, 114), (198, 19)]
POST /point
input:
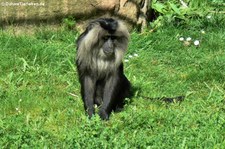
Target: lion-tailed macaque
[(99, 60)]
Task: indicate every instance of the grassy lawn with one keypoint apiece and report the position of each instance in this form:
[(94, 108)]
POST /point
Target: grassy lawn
[(41, 107)]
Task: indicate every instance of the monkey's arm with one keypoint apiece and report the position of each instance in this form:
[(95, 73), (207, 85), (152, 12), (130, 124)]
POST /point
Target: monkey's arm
[(108, 95), (87, 90)]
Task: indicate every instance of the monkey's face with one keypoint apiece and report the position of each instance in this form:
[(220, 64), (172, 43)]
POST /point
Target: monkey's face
[(113, 38), (108, 45)]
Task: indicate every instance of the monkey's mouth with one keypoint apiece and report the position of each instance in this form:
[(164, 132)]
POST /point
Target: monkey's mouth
[(108, 52)]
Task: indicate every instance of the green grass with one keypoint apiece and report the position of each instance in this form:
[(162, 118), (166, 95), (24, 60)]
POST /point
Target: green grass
[(38, 75)]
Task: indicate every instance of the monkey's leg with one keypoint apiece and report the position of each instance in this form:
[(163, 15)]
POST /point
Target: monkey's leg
[(108, 95), (99, 94), (87, 90), (123, 91)]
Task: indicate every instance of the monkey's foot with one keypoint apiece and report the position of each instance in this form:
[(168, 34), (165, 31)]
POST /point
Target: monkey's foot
[(104, 115)]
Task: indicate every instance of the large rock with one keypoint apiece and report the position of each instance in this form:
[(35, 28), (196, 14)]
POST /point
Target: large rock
[(132, 11)]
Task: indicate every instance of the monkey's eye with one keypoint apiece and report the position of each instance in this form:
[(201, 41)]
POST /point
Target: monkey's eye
[(113, 37), (105, 38)]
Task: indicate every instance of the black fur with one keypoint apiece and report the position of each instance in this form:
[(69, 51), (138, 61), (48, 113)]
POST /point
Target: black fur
[(108, 24)]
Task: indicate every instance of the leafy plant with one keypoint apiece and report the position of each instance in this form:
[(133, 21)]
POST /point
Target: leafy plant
[(180, 12)]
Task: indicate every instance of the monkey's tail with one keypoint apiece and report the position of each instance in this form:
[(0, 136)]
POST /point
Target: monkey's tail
[(167, 99)]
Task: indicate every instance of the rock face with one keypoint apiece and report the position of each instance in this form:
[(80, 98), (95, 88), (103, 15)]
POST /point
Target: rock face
[(134, 12)]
